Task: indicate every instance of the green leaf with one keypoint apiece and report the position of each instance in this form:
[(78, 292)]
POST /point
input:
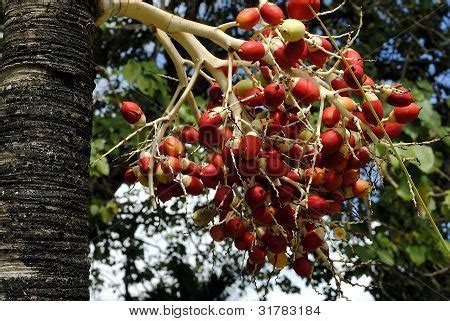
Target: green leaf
[(425, 86), (131, 71), (365, 253), (432, 119), (146, 85), (403, 190), (102, 167), (386, 256), (417, 254), (94, 209), (425, 156), (421, 156)]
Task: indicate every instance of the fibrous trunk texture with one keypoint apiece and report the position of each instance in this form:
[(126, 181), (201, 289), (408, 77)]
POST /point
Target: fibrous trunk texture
[(46, 88)]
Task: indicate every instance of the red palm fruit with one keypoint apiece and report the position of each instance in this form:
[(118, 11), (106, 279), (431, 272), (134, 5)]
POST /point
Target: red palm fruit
[(251, 51), (211, 104), (279, 53), (309, 226), (244, 243), (292, 130), (303, 267), (232, 226), (210, 136), (248, 18), (253, 268), (242, 227), (378, 132), (189, 135), (351, 123), (212, 117), (166, 191), (333, 181), (255, 196), (358, 71), (317, 204), (350, 177), (299, 9), (361, 189), (270, 153), (353, 58), (248, 168), (144, 162), (215, 92), (313, 239), (226, 214), (276, 244), (335, 161), (217, 160), (229, 152), (318, 178), (190, 168), (284, 192), (377, 107), (171, 165), (274, 95), (217, 234), (295, 153), (296, 51), (224, 197), (210, 176), (131, 112), (368, 82), (403, 115), (338, 84), (397, 95), (263, 214), (335, 207), (250, 146), (192, 184), (130, 177), (393, 129), (306, 91), (227, 133), (331, 116), (257, 254), (363, 156), (279, 116), (271, 13), (273, 128), (331, 141), (352, 141), (276, 167), (317, 56), (257, 97), (285, 216), (294, 176), (173, 147)]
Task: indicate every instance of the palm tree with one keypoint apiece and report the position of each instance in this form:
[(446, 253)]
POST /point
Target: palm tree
[(46, 84)]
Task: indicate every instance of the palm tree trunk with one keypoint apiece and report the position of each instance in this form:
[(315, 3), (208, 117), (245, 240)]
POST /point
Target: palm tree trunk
[(46, 88)]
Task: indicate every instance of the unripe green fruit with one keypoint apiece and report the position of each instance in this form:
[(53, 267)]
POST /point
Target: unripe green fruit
[(241, 88), (292, 30)]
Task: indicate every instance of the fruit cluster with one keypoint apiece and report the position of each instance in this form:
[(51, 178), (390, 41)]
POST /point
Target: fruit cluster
[(276, 177)]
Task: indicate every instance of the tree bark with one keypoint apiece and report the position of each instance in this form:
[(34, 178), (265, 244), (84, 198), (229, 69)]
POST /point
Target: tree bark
[(46, 84)]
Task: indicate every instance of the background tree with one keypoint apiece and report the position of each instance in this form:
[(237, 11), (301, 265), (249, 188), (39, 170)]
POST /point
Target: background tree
[(414, 48)]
